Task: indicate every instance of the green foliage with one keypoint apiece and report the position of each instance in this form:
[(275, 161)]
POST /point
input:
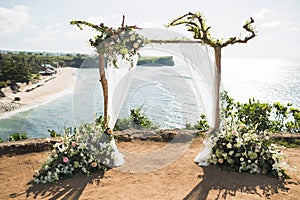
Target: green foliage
[(254, 113), (156, 60), (14, 69), (201, 125), (1, 140), (17, 136), (189, 126), (261, 116), (140, 120), (293, 125), (137, 120), (23, 67), (243, 142), (53, 133)]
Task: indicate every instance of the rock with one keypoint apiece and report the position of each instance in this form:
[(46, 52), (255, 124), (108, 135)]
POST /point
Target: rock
[(17, 99), (14, 87), (2, 94)]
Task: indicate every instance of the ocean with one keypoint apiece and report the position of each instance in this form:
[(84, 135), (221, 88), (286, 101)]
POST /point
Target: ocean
[(165, 94)]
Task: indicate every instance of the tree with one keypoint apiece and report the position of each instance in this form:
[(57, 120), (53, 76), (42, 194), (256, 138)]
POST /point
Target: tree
[(110, 43), (14, 68), (196, 24)]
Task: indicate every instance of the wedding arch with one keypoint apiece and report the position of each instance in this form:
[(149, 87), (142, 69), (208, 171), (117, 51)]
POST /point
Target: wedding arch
[(88, 149), (202, 56)]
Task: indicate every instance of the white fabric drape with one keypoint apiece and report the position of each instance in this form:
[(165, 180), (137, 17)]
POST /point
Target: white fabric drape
[(119, 80), (199, 59)]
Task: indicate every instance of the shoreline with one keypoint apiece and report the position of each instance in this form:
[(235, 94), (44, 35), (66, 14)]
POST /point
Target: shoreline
[(48, 91)]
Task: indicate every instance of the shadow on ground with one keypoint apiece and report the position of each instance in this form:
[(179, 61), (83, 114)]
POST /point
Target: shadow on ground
[(71, 188), (214, 179)]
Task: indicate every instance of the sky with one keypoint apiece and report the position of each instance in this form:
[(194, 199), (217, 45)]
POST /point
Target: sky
[(43, 25)]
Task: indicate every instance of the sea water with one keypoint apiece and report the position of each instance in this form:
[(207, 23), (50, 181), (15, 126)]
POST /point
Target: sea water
[(166, 95)]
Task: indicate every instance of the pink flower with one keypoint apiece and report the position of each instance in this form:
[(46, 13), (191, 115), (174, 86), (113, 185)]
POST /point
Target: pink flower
[(65, 159), (94, 164), (234, 132), (257, 147), (220, 160), (106, 44), (73, 144)]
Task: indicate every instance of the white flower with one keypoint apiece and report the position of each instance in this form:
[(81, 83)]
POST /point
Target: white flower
[(132, 38), (36, 173), (231, 153), (229, 146), (267, 138), (136, 45)]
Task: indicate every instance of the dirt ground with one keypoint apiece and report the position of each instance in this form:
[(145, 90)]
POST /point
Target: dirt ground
[(151, 171)]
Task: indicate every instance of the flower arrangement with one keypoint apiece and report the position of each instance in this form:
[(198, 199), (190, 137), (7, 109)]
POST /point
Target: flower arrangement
[(243, 149), (123, 41), (82, 151)]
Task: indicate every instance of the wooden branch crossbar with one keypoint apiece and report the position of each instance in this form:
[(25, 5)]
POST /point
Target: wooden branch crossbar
[(177, 41)]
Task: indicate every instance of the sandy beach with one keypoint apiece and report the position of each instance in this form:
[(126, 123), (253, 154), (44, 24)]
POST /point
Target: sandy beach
[(62, 84)]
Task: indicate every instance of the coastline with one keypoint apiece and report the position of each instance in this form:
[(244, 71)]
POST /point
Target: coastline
[(49, 89)]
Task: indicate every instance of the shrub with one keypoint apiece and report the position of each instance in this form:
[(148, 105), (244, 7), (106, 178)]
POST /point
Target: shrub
[(137, 119), (17, 137), (293, 125), (201, 124), (254, 113), (261, 116), (53, 133)]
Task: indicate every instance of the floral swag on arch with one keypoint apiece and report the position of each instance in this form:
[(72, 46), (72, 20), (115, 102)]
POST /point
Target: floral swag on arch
[(92, 147)]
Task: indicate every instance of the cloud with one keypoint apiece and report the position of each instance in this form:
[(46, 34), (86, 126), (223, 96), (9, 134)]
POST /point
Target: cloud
[(261, 14), (13, 20), (45, 35), (272, 24)]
